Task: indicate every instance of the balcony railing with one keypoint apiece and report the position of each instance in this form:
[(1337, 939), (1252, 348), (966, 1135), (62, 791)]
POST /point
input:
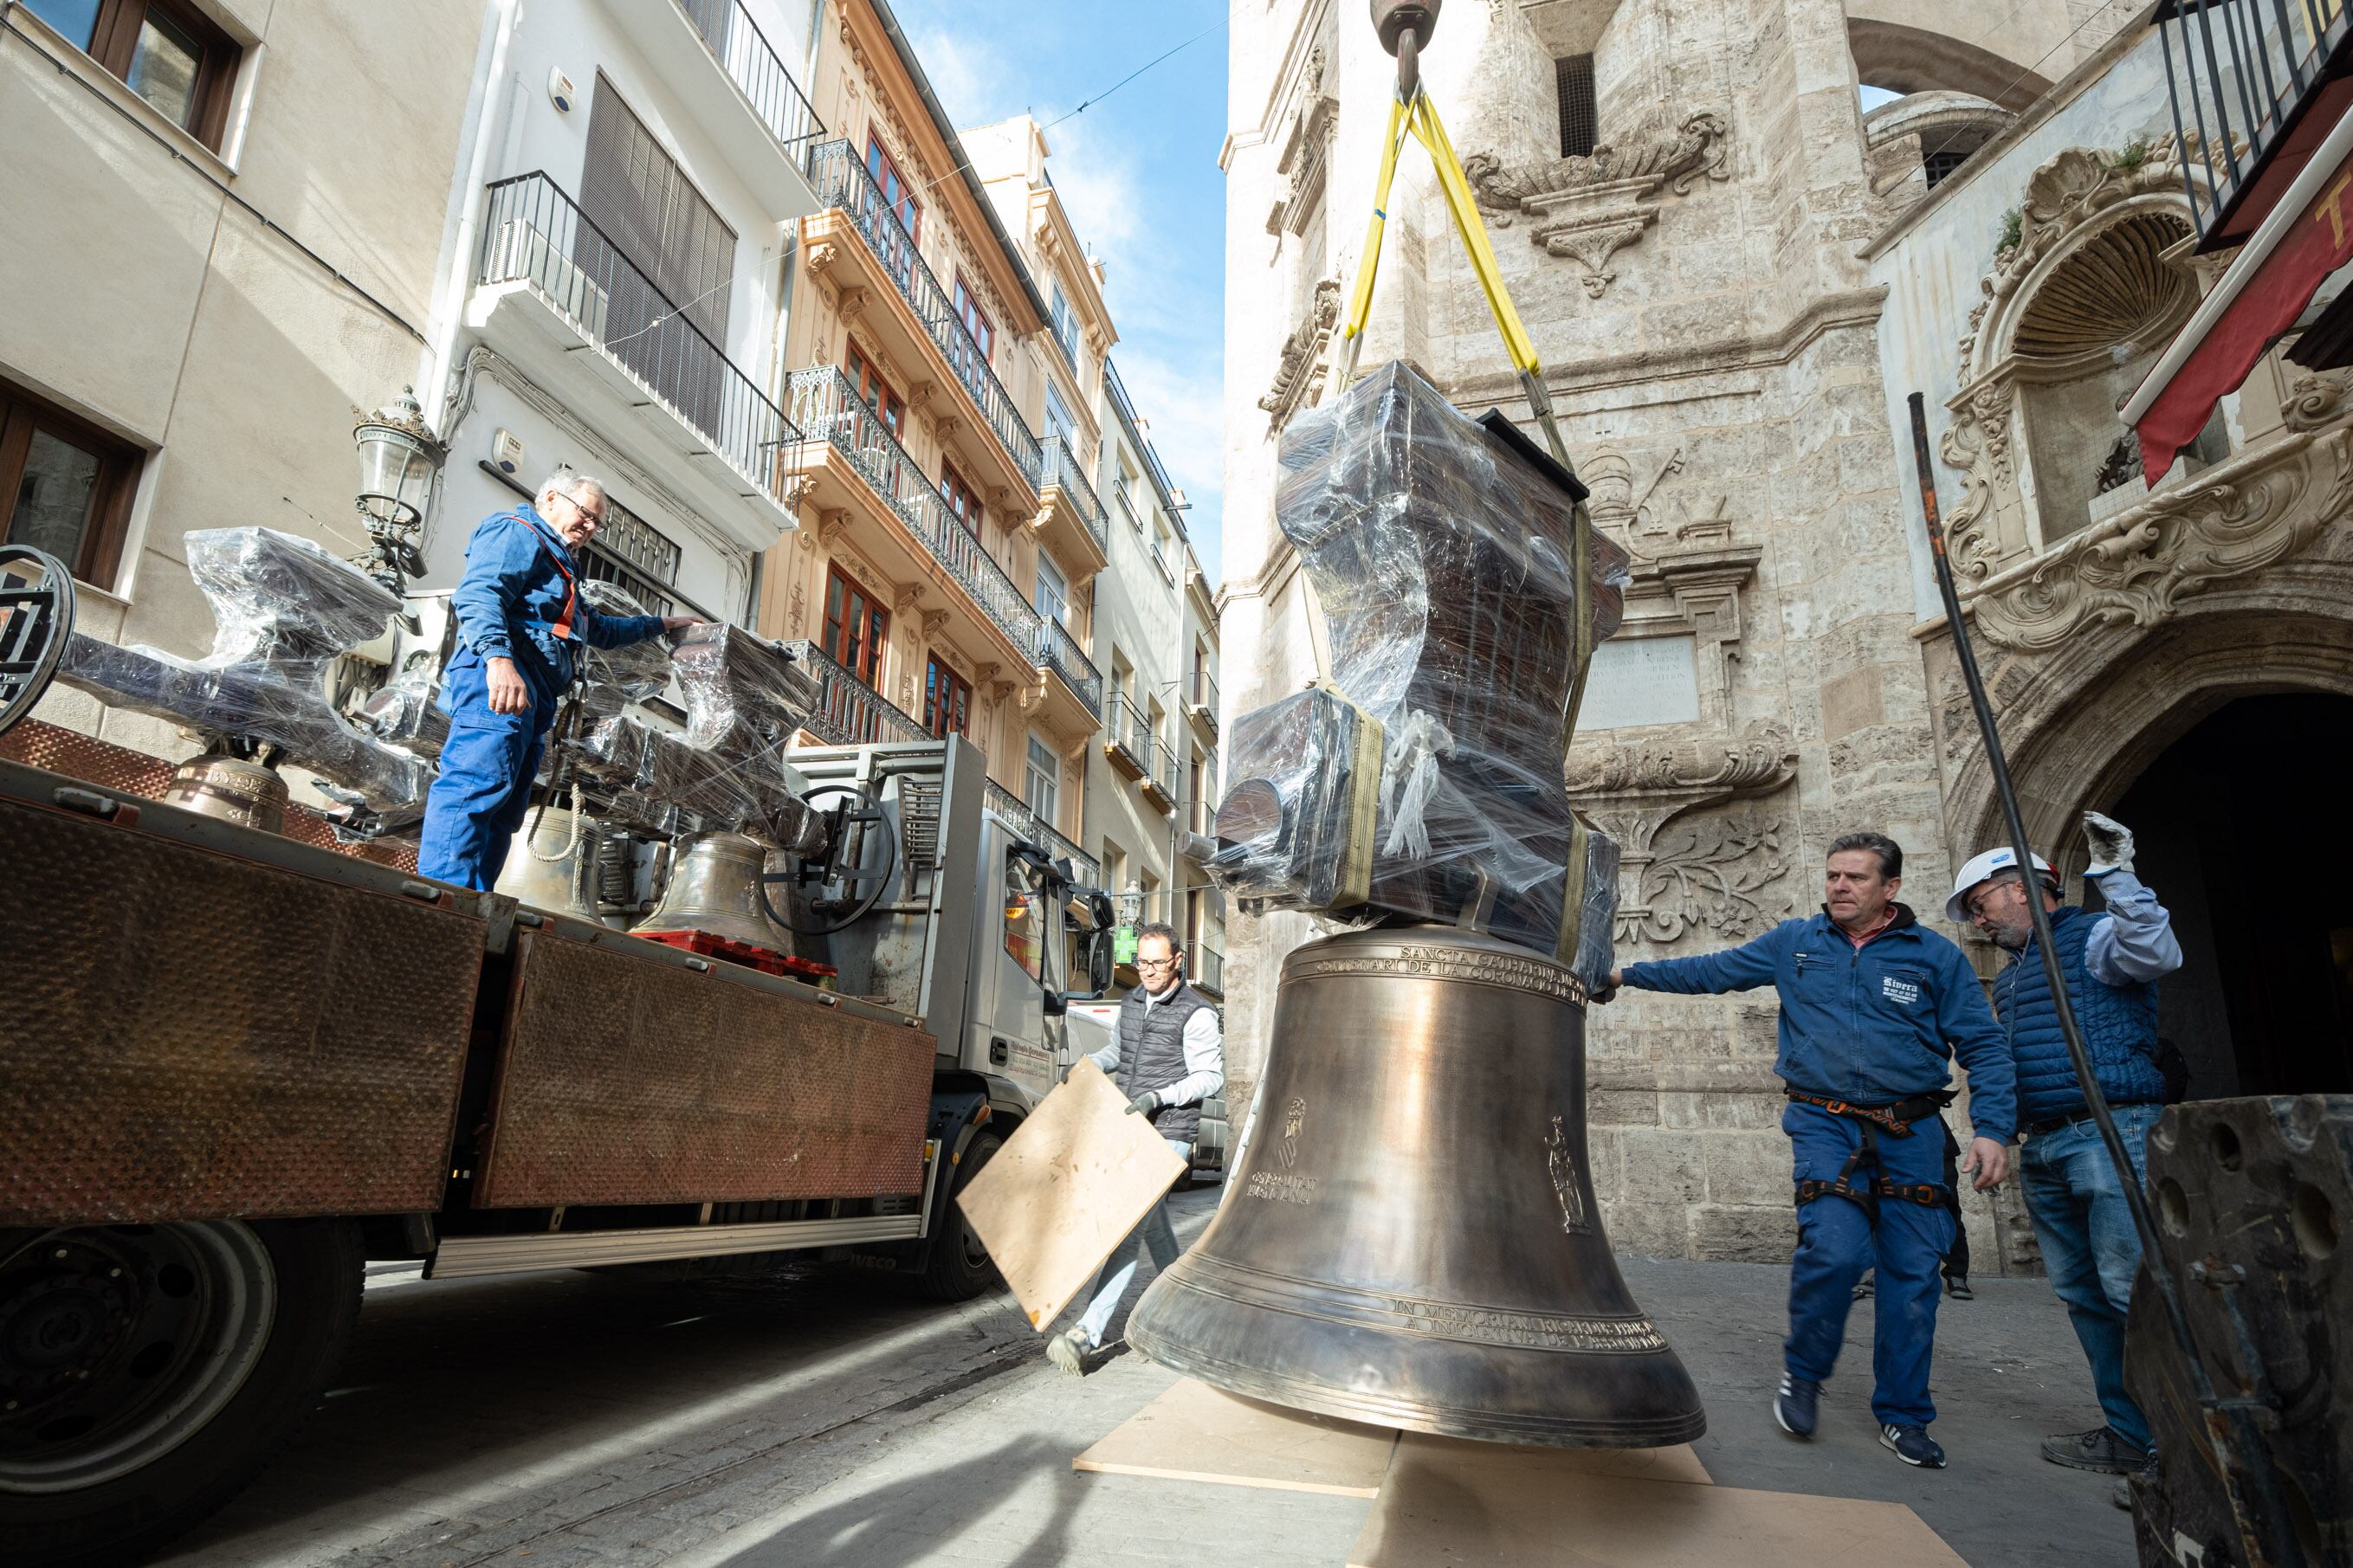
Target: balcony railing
[(2240, 74), (842, 181), (1205, 691), (534, 234), (827, 407), (1061, 467), (767, 85), (1164, 768), (1126, 412), (1059, 651), (849, 711), (1208, 968), (1011, 806), (1131, 732)]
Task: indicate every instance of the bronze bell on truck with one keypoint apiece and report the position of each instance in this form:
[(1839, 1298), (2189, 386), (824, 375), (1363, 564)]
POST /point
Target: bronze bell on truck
[(541, 873), (714, 888), (1410, 1237), (251, 794)]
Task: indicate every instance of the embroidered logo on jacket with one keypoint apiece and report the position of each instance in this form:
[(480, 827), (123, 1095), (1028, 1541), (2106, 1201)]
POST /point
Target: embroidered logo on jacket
[(1894, 989)]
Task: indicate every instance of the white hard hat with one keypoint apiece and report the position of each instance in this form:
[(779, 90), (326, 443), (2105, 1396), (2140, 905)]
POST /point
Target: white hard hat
[(1981, 867)]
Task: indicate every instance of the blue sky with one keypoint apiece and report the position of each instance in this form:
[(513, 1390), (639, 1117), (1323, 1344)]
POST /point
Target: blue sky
[(1138, 173)]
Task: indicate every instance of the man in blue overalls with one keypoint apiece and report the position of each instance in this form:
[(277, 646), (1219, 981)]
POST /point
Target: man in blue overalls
[(1874, 1007), (520, 623)]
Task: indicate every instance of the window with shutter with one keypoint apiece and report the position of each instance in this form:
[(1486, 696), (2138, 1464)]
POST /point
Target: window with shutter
[(1581, 121)]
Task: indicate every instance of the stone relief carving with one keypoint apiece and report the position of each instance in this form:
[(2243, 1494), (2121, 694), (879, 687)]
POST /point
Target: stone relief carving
[(2069, 201), (1301, 367), (2254, 511), (1588, 210), (1716, 872)]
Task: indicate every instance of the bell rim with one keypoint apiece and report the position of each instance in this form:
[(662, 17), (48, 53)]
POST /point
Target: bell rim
[(1435, 952), (1421, 1416)]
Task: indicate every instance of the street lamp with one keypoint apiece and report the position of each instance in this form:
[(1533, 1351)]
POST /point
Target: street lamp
[(398, 458)]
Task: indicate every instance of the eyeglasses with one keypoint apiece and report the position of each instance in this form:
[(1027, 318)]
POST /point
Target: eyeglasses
[(593, 519), (1155, 964)]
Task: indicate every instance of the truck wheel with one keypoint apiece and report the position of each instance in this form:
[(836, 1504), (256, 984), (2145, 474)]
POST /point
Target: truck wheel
[(148, 1370), (959, 1267)]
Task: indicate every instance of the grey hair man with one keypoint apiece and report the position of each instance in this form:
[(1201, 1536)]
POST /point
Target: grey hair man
[(1168, 1055)]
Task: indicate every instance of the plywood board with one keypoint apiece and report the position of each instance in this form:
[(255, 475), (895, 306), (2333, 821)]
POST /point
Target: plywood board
[(1195, 1433), (1071, 1180), (1680, 1463), (1448, 1509)]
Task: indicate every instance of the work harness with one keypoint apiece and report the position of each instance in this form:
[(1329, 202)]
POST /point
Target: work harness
[(1895, 1121)]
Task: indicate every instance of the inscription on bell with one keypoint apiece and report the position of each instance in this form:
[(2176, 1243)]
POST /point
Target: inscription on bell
[(1478, 967), (1281, 1189), (1538, 1330)]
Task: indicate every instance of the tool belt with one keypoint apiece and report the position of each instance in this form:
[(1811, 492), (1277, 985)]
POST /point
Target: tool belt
[(1896, 1119)]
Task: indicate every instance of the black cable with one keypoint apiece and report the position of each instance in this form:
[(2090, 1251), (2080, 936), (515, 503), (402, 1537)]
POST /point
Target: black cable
[(2224, 1419)]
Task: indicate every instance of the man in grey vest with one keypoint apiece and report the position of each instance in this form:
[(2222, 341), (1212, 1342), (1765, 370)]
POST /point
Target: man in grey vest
[(1167, 1056)]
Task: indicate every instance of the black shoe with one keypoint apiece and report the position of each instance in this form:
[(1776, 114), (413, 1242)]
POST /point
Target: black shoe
[(2099, 1450), (1959, 1289), (1913, 1446), (1864, 1287), (1793, 1408)]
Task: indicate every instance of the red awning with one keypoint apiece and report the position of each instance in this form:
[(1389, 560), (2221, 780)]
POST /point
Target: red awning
[(2308, 235)]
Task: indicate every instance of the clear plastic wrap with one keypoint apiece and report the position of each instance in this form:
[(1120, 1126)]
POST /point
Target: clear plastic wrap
[(745, 698), (283, 609), (1441, 550)]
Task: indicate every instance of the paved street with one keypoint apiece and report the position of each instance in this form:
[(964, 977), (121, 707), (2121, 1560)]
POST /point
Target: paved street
[(823, 1418)]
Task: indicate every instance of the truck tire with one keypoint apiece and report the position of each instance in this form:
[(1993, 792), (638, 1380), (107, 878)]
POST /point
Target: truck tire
[(959, 1268), (147, 1372)]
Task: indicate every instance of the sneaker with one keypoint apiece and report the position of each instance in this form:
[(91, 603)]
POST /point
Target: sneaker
[(1793, 1408), (1913, 1446), (2121, 1493), (1958, 1287), (1067, 1350), (1864, 1287), (2099, 1450)]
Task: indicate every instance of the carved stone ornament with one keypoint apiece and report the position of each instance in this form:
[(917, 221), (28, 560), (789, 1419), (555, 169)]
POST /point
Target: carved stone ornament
[(1589, 208), (2236, 518), (1301, 367), (2022, 333), (1717, 872)]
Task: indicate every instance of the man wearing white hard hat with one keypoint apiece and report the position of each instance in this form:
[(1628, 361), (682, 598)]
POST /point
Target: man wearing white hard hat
[(2111, 962)]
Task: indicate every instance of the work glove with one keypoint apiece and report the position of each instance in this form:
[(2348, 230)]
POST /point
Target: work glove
[(2112, 845), (1145, 1104)]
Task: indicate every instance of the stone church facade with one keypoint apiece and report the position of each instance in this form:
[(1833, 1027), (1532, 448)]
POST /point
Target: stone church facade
[(1734, 274)]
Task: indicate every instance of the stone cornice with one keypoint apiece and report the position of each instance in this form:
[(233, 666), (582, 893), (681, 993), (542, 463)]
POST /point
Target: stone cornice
[(1747, 351)]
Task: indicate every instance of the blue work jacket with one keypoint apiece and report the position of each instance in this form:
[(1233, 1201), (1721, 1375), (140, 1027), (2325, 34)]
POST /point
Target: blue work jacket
[(1872, 1026), (512, 595)]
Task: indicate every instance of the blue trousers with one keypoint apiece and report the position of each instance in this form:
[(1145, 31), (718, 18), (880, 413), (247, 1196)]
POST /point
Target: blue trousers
[(478, 800), (2089, 1244), (1154, 1233), (1838, 1239)]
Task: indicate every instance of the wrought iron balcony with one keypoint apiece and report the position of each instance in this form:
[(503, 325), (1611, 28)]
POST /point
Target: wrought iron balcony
[(1059, 651), (1207, 969), (534, 233), (1125, 409), (1163, 779), (1011, 806), (1130, 746), (1062, 468), (828, 407), (1205, 695), (850, 712), (2243, 75), (767, 85), (842, 181)]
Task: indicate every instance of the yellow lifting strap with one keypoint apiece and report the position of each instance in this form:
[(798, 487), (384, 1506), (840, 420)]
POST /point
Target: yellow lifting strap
[(1421, 118)]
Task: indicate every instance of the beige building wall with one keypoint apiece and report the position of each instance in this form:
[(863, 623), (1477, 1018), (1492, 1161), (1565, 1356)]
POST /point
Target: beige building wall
[(227, 313), (1710, 334)]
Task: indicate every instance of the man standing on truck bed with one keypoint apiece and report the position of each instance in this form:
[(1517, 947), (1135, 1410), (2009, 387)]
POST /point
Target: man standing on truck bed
[(1168, 1055), (1873, 1006), (520, 624)]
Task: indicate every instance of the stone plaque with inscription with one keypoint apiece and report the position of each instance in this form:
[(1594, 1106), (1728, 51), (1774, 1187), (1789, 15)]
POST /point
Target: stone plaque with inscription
[(1641, 680)]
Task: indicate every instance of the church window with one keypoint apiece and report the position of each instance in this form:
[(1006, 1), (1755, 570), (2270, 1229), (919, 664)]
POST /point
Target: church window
[(1581, 121)]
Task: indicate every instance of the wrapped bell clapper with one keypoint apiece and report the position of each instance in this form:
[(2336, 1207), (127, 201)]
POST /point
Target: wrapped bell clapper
[(1411, 1236)]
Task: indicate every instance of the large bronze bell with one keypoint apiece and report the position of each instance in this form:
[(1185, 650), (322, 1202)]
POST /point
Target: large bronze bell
[(715, 888), (539, 872), (1410, 1239)]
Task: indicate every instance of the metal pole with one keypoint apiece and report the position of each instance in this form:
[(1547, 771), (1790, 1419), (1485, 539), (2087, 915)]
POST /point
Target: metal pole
[(2224, 1420)]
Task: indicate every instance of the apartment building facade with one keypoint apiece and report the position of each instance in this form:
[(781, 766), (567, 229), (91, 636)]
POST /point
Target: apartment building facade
[(224, 237)]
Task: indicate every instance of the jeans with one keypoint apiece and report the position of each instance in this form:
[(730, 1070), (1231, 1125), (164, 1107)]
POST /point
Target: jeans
[(2089, 1244), (1838, 1239), (479, 798), (1118, 1272)]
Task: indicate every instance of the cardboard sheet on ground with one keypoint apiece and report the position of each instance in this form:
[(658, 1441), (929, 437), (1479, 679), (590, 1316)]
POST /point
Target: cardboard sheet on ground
[(1074, 1178), (1457, 1505), (1195, 1433)]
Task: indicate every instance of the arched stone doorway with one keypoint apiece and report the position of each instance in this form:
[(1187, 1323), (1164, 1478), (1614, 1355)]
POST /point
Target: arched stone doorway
[(2238, 825)]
